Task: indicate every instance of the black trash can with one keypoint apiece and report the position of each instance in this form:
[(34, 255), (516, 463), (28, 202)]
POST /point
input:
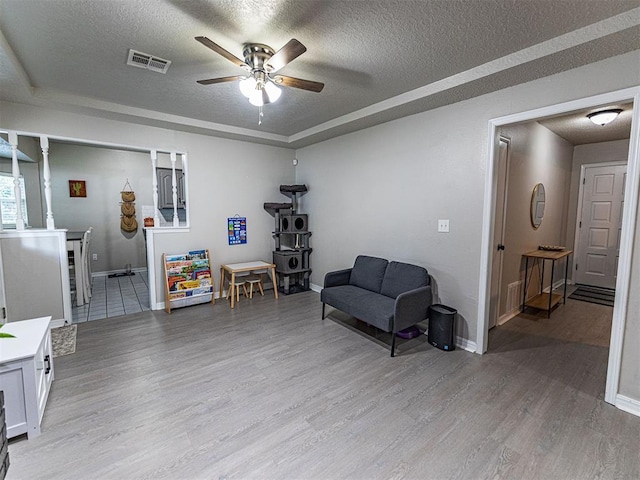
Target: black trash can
[(441, 332)]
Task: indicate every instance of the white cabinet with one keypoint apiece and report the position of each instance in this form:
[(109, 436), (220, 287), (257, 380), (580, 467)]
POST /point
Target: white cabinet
[(26, 373)]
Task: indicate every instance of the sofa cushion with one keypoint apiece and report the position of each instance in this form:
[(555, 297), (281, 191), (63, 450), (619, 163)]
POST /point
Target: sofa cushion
[(342, 296), (368, 272), (373, 308), (401, 277)]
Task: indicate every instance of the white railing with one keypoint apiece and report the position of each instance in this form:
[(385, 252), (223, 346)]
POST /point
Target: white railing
[(49, 221)]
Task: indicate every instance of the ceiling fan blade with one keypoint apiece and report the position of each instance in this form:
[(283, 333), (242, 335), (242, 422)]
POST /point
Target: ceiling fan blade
[(292, 50), (221, 51), (298, 83), (211, 81)]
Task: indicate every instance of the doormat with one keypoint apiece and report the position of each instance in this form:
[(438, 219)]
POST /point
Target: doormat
[(124, 274), (601, 296), (63, 340)]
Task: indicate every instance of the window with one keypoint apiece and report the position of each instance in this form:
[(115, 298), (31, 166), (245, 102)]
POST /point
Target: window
[(8, 200)]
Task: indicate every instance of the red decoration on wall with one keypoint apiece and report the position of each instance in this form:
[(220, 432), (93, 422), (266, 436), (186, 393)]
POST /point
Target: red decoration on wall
[(77, 188)]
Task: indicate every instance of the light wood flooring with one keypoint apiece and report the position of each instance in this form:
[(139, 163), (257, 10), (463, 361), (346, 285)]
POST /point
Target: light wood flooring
[(271, 391)]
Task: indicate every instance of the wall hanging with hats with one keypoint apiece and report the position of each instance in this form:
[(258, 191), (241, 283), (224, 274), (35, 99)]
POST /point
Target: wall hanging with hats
[(128, 222)]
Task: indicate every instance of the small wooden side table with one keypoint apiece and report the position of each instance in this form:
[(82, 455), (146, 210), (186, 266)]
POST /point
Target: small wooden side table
[(545, 301), (232, 268)]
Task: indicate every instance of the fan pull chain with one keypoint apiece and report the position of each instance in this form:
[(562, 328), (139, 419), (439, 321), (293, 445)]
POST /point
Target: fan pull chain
[(260, 115)]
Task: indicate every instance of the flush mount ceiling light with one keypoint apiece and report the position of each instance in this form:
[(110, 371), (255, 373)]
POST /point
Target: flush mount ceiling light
[(604, 116)]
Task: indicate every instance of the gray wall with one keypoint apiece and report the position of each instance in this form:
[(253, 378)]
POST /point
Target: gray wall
[(381, 190), (32, 285), (105, 171), (378, 191), (537, 155)]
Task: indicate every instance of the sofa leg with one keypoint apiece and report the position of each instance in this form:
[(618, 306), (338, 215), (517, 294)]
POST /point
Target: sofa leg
[(323, 311), (393, 344)]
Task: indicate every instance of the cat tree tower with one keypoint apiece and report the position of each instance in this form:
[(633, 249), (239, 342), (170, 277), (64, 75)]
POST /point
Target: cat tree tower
[(291, 236)]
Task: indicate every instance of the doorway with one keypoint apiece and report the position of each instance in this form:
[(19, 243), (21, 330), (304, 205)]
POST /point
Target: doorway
[(627, 232), (599, 224), (496, 308)]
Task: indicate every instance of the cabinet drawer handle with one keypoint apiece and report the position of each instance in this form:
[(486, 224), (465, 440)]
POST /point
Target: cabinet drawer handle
[(47, 360)]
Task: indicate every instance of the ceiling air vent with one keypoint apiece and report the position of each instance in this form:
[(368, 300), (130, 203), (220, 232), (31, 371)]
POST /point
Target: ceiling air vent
[(144, 60)]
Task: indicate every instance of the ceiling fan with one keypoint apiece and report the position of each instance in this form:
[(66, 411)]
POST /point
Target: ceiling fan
[(262, 62)]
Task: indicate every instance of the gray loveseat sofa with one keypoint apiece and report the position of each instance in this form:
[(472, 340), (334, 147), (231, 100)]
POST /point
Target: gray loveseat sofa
[(389, 295)]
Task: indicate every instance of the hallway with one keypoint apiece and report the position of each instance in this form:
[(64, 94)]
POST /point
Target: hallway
[(114, 297)]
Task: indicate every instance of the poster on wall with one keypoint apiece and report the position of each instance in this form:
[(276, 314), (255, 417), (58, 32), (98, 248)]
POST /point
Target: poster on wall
[(77, 188), (237, 230)]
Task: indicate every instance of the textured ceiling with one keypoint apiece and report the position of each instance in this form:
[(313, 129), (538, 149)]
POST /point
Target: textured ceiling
[(379, 60)]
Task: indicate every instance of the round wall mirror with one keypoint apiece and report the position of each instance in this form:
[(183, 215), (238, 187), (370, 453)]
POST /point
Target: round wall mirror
[(537, 205)]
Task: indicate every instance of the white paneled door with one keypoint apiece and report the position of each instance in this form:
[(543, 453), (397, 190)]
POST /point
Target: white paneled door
[(496, 308), (600, 225)]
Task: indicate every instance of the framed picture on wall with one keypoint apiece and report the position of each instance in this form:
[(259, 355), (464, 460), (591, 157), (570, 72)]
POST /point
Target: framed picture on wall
[(77, 188)]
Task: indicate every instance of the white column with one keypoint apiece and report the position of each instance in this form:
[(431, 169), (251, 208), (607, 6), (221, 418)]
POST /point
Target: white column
[(13, 141), (154, 165), (44, 145), (184, 183), (174, 189)]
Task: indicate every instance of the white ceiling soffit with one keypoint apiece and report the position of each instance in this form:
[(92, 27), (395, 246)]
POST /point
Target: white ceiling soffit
[(380, 60), (577, 129)]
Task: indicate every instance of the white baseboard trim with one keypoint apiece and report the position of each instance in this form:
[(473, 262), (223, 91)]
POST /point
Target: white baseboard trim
[(111, 272), (558, 284), (58, 322), (216, 294), (628, 405), (508, 316), (462, 343), (465, 344), (315, 288)]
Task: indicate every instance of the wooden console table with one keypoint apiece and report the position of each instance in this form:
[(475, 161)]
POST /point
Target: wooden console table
[(545, 301), (233, 268)]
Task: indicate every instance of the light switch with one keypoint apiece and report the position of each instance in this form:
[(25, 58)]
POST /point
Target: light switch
[(443, 226)]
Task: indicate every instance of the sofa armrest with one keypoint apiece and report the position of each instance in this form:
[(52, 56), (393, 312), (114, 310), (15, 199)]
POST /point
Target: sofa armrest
[(339, 277), (411, 308)]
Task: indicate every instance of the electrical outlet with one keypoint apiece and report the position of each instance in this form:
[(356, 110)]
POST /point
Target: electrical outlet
[(95, 256), (443, 226)]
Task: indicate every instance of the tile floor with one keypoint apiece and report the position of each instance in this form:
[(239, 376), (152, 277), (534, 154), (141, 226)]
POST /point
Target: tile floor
[(113, 297)]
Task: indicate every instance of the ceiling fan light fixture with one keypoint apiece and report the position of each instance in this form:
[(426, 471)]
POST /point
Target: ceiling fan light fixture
[(257, 98), (247, 86), (604, 117), (272, 91)]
